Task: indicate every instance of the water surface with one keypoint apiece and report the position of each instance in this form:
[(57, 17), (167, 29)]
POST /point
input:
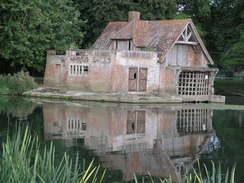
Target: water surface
[(127, 139)]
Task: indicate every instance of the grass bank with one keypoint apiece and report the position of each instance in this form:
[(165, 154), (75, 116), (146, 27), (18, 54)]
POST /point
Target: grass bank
[(16, 84), (229, 87)]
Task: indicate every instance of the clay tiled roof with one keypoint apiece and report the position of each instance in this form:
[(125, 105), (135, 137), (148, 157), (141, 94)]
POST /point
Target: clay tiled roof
[(161, 35), (146, 34)]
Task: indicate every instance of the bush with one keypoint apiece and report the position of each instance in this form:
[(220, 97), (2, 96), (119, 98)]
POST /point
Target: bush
[(16, 84)]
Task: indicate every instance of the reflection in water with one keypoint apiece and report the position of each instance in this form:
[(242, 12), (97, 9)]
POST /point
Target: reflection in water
[(161, 139)]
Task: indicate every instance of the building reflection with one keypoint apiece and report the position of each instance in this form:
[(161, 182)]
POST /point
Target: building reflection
[(162, 140)]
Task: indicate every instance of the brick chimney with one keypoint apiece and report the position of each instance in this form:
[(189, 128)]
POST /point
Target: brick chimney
[(134, 15)]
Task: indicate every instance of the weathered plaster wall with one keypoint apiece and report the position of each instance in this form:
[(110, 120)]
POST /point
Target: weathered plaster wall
[(123, 63), (108, 71), (168, 83)]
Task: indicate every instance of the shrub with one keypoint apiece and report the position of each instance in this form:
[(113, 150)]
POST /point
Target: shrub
[(16, 84)]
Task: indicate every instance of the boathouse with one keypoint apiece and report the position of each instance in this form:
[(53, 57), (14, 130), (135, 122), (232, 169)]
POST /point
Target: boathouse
[(138, 56)]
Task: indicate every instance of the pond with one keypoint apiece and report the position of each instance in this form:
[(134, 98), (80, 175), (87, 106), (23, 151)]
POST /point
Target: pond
[(128, 138)]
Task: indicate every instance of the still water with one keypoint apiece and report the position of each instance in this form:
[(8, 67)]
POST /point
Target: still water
[(126, 139)]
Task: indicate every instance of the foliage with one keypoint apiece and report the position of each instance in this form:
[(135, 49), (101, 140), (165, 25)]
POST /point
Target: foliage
[(233, 58), (23, 161), (225, 36), (199, 10), (30, 27), (16, 84)]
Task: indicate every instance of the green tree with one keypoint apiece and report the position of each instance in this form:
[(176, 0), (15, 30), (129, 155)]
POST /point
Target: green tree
[(30, 27), (156, 9), (199, 10), (227, 31)]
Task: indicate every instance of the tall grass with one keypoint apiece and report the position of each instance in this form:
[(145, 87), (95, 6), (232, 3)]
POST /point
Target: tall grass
[(215, 175), (16, 84), (21, 160)]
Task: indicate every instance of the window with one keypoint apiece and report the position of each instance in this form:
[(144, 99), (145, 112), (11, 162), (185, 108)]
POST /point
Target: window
[(78, 70), (123, 45), (76, 124)]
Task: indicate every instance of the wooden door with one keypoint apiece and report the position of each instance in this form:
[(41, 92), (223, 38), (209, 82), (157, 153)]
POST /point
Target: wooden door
[(142, 79), (137, 79), (58, 71), (133, 77)]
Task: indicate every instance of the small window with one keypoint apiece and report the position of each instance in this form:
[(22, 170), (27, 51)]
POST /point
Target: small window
[(123, 45), (76, 124), (78, 70), (129, 47), (85, 70)]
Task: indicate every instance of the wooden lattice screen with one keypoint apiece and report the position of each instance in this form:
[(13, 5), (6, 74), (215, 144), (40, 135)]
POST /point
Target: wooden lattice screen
[(194, 83), (192, 120)]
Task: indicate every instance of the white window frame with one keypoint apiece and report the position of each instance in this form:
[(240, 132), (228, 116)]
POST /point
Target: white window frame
[(78, 70)]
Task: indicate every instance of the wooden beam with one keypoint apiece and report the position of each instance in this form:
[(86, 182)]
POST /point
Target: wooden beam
[(187, 42)]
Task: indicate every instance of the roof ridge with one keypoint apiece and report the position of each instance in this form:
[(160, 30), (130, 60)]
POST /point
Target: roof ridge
[(133, 28)]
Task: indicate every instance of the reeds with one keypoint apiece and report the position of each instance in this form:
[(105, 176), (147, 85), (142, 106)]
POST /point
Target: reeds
[(215, 175), (21, 160)]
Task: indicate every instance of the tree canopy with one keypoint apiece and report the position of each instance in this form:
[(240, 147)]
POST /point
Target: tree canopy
[(227, 33), (29, 27)]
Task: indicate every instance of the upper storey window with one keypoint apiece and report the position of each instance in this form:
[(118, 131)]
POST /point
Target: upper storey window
[(122, 45)]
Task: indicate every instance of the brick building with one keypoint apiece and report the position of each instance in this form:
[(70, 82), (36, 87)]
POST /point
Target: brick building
[(138, 56)]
